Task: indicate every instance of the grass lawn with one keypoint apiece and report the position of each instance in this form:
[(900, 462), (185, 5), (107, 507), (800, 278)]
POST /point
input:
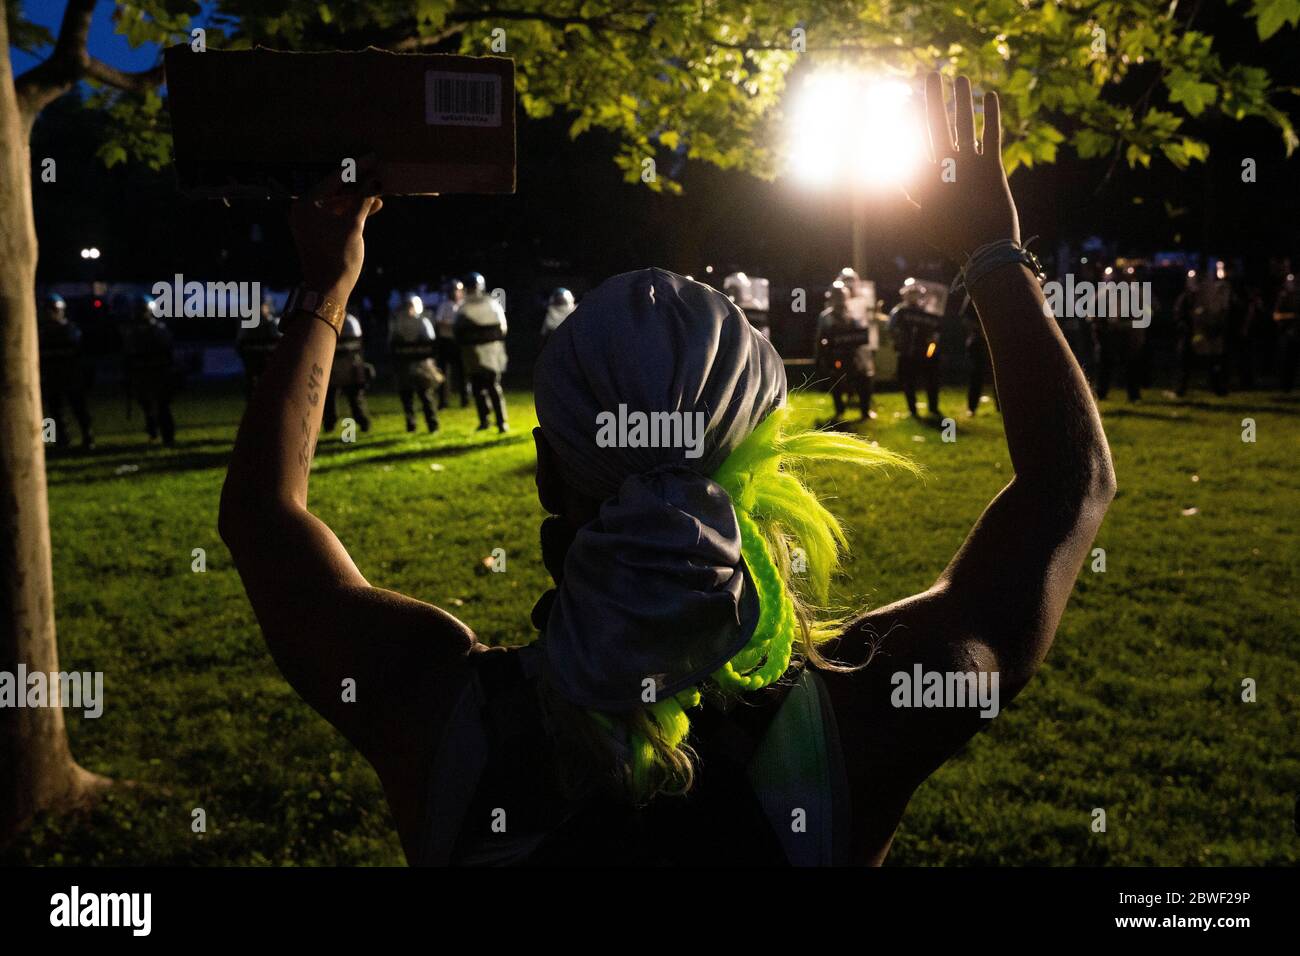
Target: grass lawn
[(1138, 710)]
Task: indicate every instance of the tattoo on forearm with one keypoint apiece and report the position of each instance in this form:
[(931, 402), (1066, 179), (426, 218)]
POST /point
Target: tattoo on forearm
[(307, 449)]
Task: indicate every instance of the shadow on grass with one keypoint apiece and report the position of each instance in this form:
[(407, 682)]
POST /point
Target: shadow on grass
[(160, 464), (1269, 404), (106, 453), (432, 453), (933, 422), (117, 461), (143, 459), (1130, 411), (153, 459)]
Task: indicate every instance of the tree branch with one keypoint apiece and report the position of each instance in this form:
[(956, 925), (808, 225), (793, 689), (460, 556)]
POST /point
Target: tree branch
[(413, 43), (122, 80), (54, 76), (69, 63), (458, 20)]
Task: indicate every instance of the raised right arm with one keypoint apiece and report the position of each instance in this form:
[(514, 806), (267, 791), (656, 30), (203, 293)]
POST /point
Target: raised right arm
[(996, 606)]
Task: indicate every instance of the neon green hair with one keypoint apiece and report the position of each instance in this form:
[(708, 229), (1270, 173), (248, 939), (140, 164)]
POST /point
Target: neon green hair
[(774, 510)]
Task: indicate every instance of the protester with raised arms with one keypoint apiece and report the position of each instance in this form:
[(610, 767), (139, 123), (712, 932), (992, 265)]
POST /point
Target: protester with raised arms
[(618, 735)]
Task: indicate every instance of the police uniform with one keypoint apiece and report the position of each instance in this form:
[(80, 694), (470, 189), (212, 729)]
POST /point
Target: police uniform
[(1202, 312), (151, 371), (846, 357), (1286, 316), (350, 374), (977, 352), (481, 333), (558, 308), (446, 351), (411, 340), (64, 374), (255, 346), (1119, 343), (1248, 335), (751, 296), (916, 335)]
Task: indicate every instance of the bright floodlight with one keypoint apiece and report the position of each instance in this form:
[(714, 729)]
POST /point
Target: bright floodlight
[(854, 129)]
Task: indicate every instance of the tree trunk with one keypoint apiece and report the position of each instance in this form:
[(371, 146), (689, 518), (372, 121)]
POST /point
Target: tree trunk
[(37, 771)]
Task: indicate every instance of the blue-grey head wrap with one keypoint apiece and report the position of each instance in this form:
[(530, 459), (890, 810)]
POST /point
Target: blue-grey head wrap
[(654, 589)]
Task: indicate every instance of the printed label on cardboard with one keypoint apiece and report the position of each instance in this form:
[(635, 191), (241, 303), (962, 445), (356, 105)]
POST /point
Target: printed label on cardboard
[(462, 99)]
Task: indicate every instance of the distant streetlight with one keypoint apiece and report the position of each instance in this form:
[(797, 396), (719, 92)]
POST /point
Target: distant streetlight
[(856, 131)]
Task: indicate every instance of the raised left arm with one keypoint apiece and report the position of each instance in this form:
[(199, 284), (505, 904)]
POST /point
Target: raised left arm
[(321, 619)]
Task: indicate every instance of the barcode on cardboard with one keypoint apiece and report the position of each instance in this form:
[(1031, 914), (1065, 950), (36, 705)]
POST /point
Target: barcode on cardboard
[(462, 99)]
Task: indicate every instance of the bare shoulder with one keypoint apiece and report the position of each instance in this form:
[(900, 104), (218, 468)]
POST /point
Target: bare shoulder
[(891, 741), (407, 728)]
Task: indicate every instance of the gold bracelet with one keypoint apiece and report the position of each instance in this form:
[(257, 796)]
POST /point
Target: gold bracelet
[(303, 300)]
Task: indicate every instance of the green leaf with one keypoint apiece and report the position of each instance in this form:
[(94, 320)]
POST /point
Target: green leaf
[(1017, 154), (1160, 123), (1182, 153), (1089, 143), (1185, 88), (1271, 15), (675, 80), (110, 154), (1136, 154)]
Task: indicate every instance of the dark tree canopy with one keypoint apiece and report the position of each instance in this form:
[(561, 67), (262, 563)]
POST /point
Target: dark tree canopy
[(1105, 78)]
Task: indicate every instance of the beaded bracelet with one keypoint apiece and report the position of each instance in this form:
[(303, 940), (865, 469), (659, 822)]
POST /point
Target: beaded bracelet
[(990, 256)]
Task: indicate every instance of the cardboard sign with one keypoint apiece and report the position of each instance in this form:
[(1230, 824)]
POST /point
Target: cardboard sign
[(270, 123)]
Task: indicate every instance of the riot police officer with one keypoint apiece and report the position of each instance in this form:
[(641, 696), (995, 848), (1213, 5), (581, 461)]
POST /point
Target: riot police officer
[(846, 353), (751, 295), (1203, 314), (411, 341), (351, 375), (916, 335), (1286, 315), (445, 347), (64, 375), (256, 343), (481, 334), (851, 281), (558, 308), (977, 353), (150, 369), (1119, 344)]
